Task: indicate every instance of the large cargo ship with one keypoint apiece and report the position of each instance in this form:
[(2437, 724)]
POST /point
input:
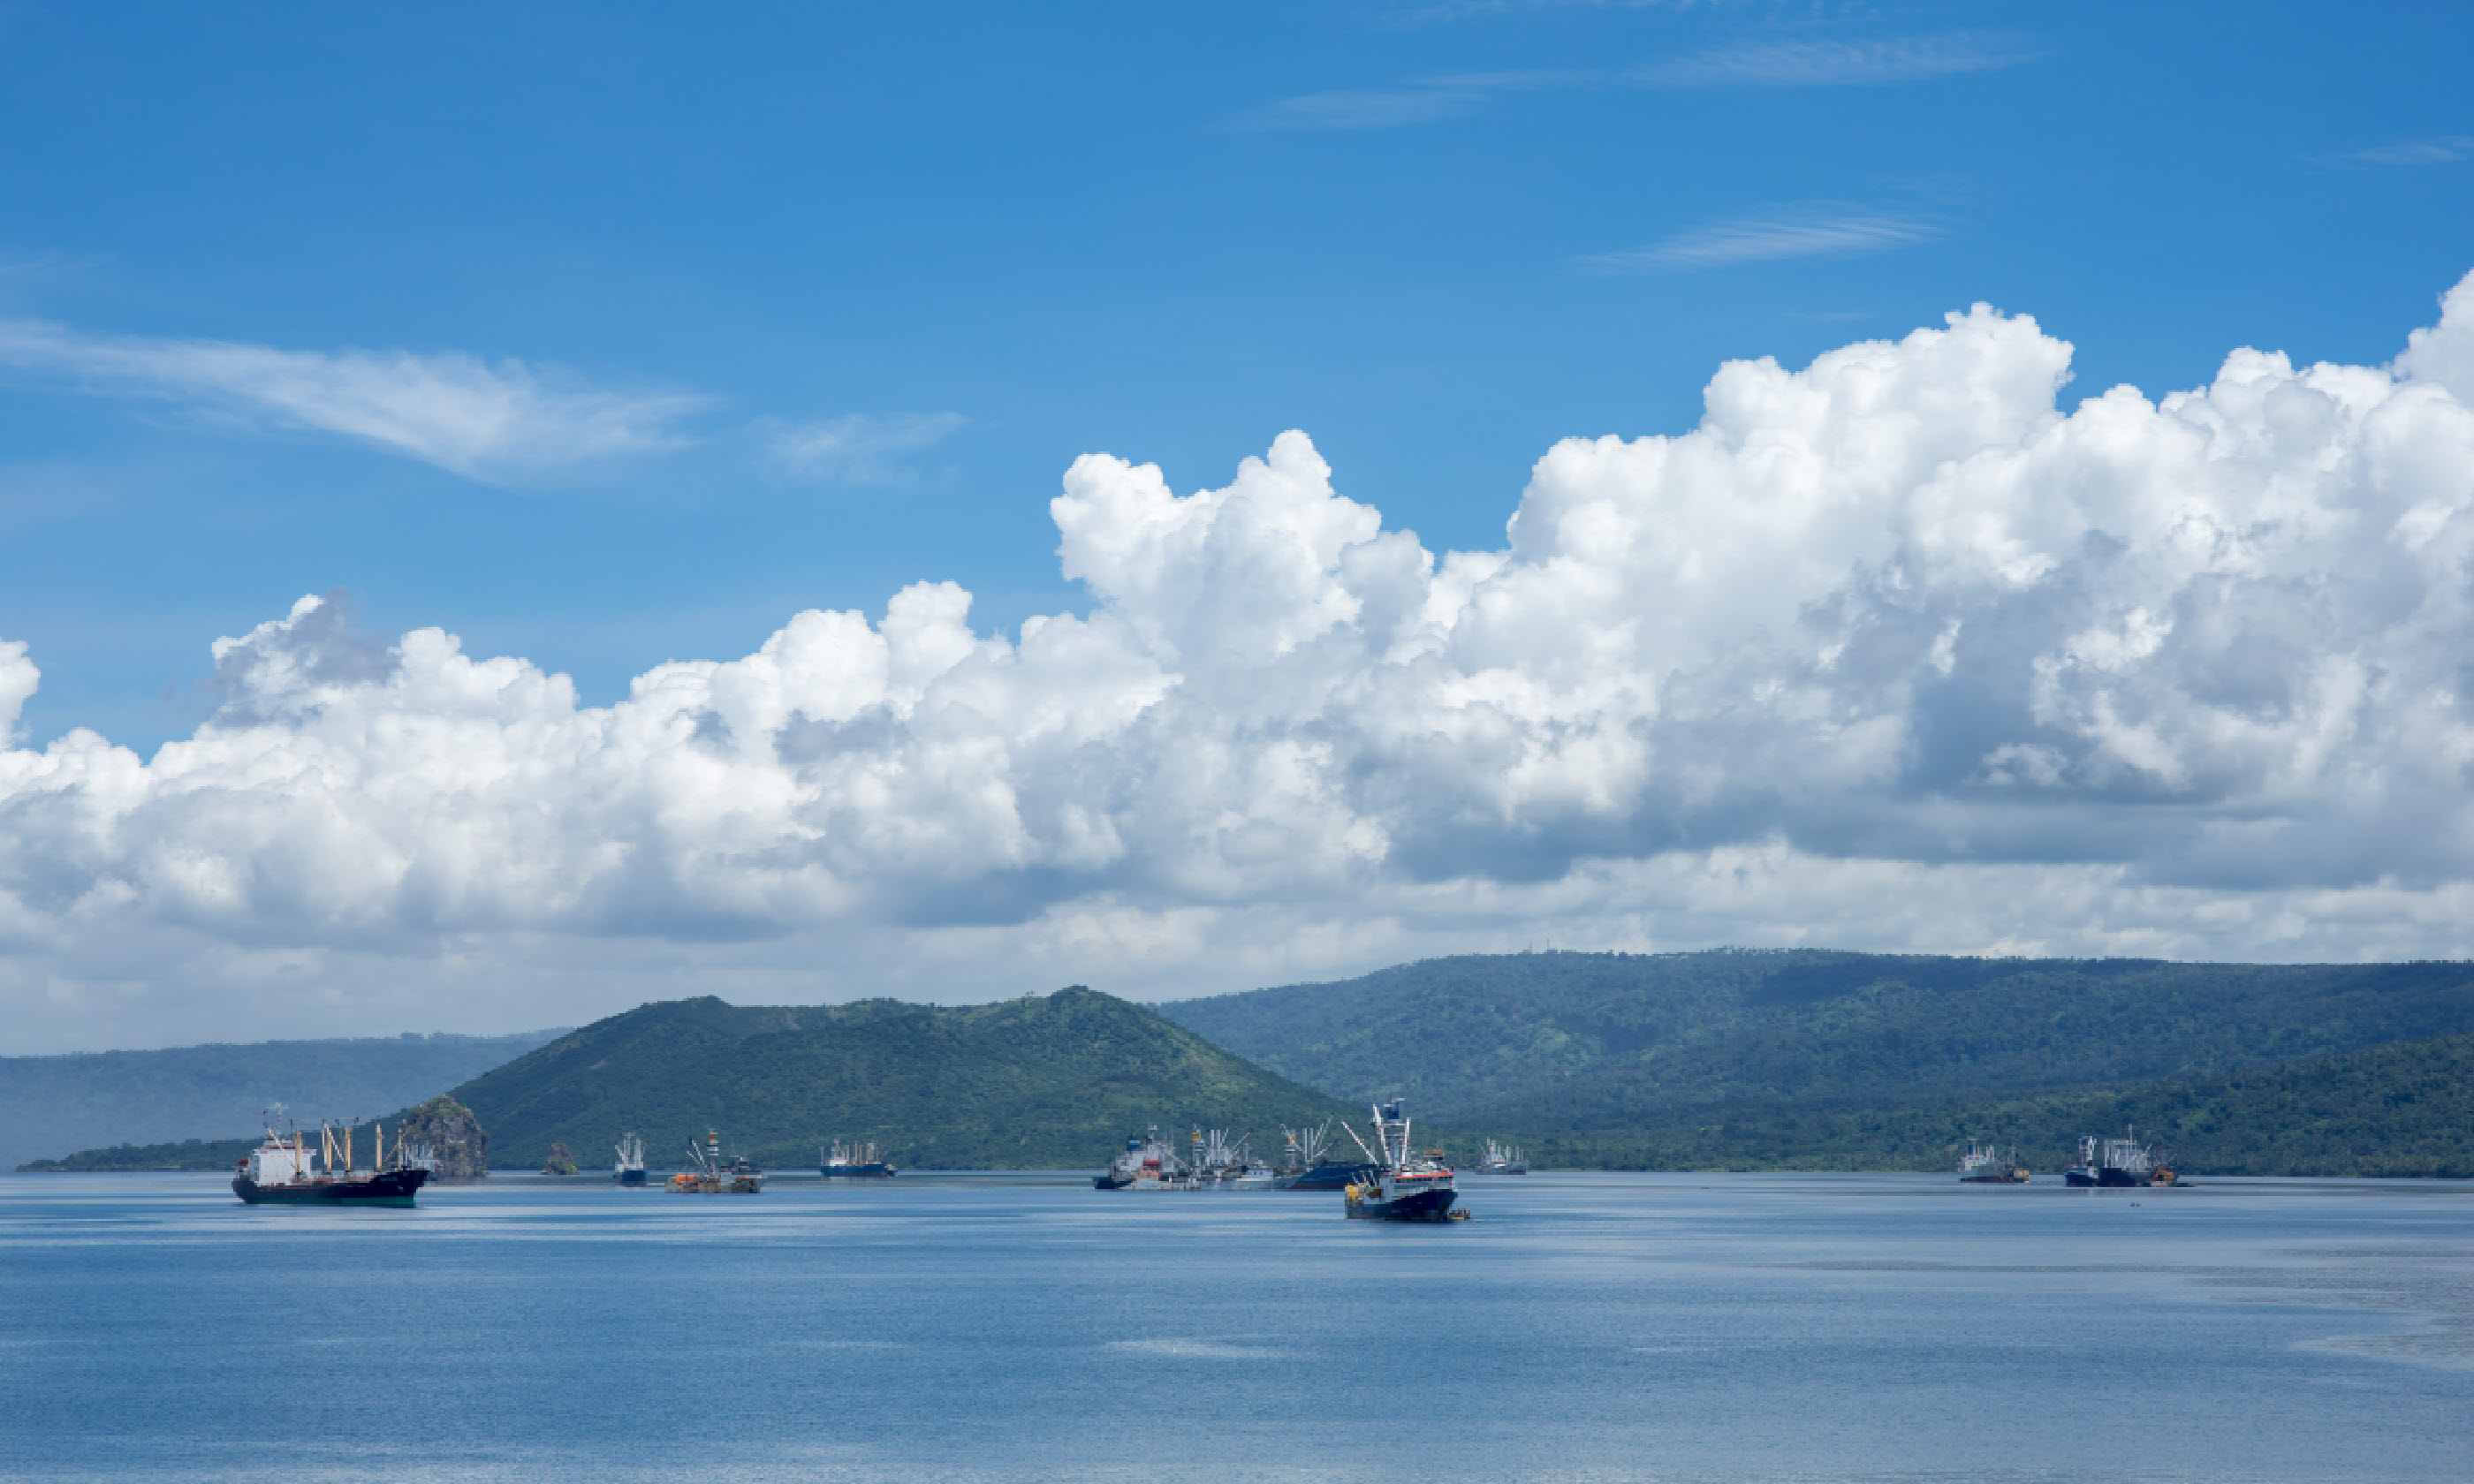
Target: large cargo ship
[(1408, 1185), (282, 1172), (855, 1160), (1307, 1164), (1146, 1163), (2118, 1162), (1502, 1159), (630, 1169), (1222, 1163), (1984, 1165)]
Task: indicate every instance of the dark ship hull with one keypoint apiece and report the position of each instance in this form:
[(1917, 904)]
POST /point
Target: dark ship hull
[(2113, 1179), (1111, 1181), (1420, 1206), (1326, 1177), (631, 1177), (879, 1170), (387, 1187)]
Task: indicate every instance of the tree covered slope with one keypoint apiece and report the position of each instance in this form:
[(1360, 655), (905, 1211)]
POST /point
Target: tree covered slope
[(1569, 1043), (1054, 1081), (2402, 1109)]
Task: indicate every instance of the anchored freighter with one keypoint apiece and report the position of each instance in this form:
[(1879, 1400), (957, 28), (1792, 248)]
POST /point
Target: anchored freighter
[(282, 1172), (1983, 1165), (1147, 1163), (857, 1161), (2118, 1162), (1306, 1164), (1502, 1159)]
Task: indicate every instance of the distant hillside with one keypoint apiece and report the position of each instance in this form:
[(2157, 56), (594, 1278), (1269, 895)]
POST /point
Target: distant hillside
[(1028, 1083), (1574, 1044), (1052, 1082), (54, 1103), (2405, 1109)]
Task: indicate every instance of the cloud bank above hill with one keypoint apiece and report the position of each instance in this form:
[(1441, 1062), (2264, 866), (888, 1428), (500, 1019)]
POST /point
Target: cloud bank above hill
[(1889, 652)]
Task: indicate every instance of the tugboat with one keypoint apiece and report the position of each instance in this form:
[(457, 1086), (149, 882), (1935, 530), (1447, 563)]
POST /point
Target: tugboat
[(1502, 1159), (631, 1160), (1407, 1186), (280, 1171), (1984, 1165), (1147, 1164), (1305, 1164), (712, 1175), (859, 1162), (2116, 1162)]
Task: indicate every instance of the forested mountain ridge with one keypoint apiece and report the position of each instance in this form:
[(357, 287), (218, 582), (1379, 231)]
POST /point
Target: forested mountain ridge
[(2405, 1109), (92, 1098), (1571, 1043), (1052, 1082), (1044, 1082)]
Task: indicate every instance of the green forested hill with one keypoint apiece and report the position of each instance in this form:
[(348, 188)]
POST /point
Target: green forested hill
[(1574, 1044), (52, 1103), (1054, 1081), (2404, 1109)]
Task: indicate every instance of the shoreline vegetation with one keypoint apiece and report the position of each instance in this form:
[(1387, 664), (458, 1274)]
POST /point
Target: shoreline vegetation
[(1796, 1061)]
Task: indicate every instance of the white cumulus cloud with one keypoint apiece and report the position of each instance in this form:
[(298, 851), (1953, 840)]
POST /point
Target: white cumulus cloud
[(1891, 651), (482, 420)]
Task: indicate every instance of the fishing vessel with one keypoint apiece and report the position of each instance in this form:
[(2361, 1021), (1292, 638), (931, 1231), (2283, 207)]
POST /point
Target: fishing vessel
[(1146, 1163), (1984, 1165), (282, 1172), (712, 1175), (1225, 1163), (1408, 1185), (1502, 1159), (857, 1161), (630, 1170), (2118, 1162), (1307, 1164)]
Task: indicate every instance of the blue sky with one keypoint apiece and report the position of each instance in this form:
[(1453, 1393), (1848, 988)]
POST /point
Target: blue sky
[(1430, 235), (508, 512)]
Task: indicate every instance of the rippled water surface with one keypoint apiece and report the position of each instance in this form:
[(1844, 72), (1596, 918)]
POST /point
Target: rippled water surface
[(1023, 1328)]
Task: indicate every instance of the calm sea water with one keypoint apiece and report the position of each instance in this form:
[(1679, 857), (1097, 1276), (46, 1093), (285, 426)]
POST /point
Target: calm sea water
[(1028, 1328)]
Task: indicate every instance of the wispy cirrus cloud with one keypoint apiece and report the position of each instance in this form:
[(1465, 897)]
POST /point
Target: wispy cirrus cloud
[(486, 421), (2445, 150), (1811, 232), (1836, 63), (1425, 101), (856, 448), (1820, 63)]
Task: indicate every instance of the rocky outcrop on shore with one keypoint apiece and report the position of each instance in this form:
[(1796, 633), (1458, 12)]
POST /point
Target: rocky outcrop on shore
[(459, 1147)]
